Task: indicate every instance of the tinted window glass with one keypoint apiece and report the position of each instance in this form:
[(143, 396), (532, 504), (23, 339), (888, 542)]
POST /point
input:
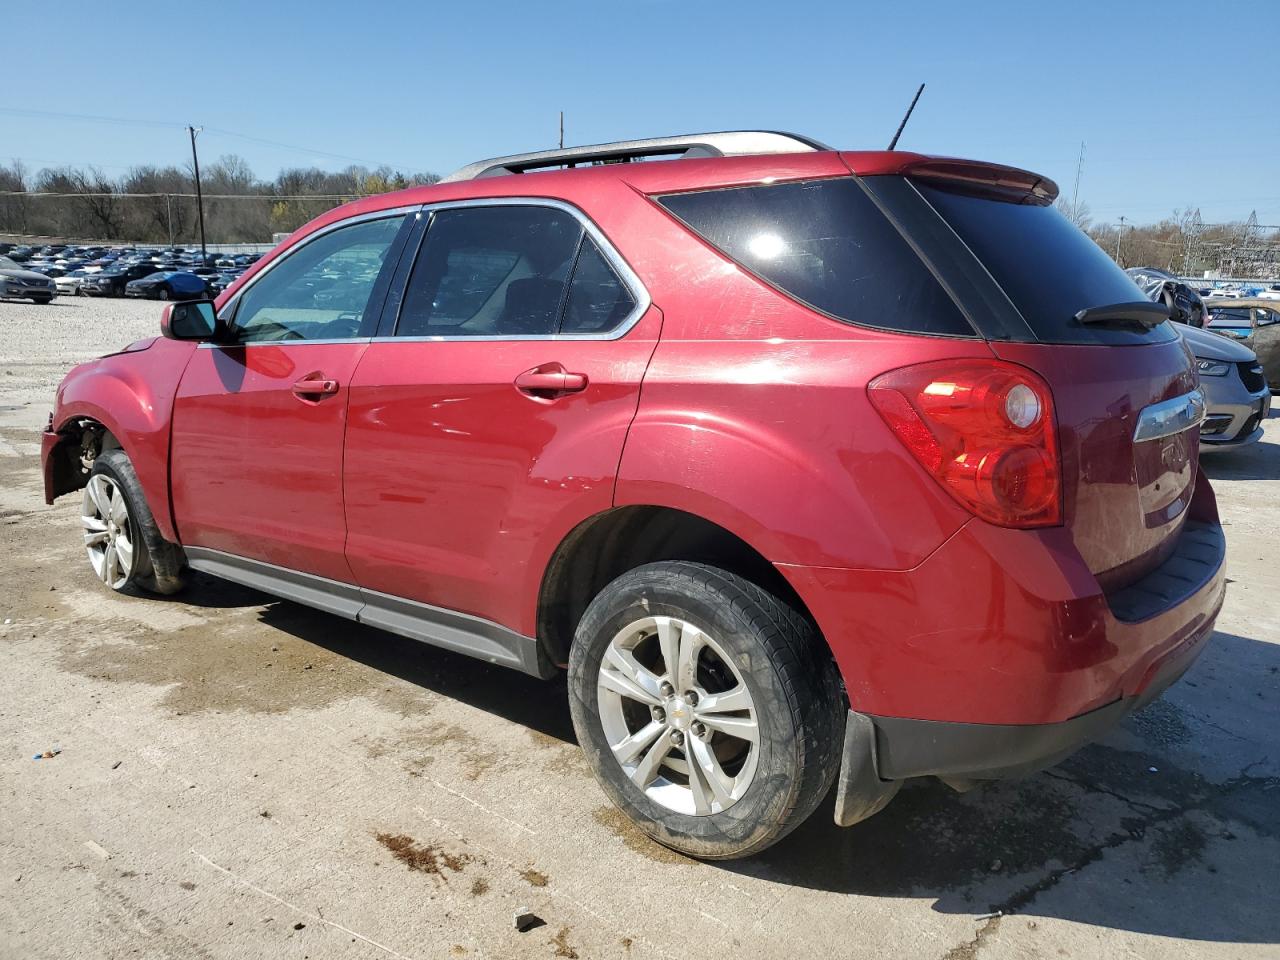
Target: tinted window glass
[(825, 243), (1230, 317), (1046, 266), (491, 271), (319, 291), (598, 301)]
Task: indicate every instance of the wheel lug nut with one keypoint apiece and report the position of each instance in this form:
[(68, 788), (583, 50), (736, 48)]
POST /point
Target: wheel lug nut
[(666, 689), (659, 715), (677, 738), (692, 698), (699, 730)]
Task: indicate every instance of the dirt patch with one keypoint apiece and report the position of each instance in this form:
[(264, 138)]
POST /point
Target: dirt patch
[(1178, 845), (421, 749), (422, 858), (479, 887), (561, 942), (535, 878), (616, 821), (968, 951)]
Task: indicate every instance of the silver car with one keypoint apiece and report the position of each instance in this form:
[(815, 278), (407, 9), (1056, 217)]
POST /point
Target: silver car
[(1235, 389), (18, 282)]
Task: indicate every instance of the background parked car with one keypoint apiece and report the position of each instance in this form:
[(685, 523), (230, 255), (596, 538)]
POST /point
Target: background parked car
[(1255, 323), (111, 282), (1235, 390), (18, 282), (1163, 287), (168, 285), (69, 284)]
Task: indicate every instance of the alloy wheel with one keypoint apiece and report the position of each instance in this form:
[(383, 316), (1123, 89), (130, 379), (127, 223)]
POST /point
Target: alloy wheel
[(108, 535), (678, 716)]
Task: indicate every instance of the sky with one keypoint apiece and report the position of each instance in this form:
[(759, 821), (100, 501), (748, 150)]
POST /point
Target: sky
[(1176, 106)]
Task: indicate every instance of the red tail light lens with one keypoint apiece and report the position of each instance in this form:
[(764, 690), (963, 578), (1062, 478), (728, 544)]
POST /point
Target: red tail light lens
[(986, 431)]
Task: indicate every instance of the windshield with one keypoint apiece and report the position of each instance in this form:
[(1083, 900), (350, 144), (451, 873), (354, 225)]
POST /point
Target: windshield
[(1230, 317), (7, 264)]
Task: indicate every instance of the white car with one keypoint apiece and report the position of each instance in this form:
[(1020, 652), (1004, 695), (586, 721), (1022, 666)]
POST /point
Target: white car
[(69, 284)]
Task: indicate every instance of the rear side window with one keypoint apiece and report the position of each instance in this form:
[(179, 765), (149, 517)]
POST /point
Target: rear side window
[(825, 243), (598, 301), (1045, 265)]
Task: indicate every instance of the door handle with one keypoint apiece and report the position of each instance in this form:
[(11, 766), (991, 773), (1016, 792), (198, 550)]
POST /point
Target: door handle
[(315, 387), (550, 381)]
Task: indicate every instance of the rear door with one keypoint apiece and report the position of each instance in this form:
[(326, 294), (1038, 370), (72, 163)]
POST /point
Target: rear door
[(492, 416), (1127, 475), (1266, 340), (258, 423)]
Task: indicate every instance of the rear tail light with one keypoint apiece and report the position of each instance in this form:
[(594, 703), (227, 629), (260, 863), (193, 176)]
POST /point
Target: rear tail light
[(986, 431)]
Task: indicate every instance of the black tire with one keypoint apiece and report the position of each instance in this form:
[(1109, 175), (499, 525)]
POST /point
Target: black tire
[(786, 668), (159, 566), (42, 301)]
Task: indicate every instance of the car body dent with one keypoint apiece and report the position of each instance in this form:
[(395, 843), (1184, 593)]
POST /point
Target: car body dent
[(131, 394)]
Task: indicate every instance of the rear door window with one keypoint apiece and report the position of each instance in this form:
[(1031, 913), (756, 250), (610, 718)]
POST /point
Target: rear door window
[(826, 244), (1047, 267)]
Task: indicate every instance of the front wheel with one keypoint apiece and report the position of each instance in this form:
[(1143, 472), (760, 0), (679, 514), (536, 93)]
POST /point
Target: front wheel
[(163, 294), (124, 545), (709, 710)]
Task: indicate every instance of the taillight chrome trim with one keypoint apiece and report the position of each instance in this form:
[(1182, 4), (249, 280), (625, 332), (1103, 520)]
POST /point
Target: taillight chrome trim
[(1168, 417)]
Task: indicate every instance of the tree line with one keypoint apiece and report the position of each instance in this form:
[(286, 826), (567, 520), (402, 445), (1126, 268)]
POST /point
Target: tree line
[(153, 204)]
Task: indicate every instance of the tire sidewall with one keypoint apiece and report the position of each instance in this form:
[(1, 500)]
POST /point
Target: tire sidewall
[(750, 821), (115, 465)]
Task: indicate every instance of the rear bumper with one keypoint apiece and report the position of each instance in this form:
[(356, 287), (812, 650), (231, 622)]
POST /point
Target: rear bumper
[(977, 751), (961, 659)]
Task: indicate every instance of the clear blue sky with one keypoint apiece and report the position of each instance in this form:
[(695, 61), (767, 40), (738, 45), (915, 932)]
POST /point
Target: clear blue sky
[(427, 86)]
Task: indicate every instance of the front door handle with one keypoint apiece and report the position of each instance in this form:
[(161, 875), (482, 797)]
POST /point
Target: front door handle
[(550, 380), (315, 386)]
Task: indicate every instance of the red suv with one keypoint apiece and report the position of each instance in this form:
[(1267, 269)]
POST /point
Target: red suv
[(810, 467)]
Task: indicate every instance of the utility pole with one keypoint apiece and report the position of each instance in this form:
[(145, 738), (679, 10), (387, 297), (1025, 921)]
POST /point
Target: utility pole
[(168, 209), (1119, 232), (195, 164), (1075, 194), (561, 129)]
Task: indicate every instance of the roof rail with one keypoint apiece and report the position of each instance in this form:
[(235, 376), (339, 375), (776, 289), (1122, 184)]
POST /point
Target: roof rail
[(727, 144)]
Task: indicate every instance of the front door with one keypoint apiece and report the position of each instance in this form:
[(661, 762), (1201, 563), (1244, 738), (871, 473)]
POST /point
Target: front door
[(496, 414), (258, 422)]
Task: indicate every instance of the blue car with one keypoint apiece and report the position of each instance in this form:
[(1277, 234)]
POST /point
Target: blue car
[(168, 285)]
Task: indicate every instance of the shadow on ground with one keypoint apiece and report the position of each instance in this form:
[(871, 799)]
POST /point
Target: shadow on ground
[(1258, 461), (1101, 804)]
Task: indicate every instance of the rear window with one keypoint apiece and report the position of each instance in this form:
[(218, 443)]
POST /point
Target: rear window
[(825, 243), (1047, 267)]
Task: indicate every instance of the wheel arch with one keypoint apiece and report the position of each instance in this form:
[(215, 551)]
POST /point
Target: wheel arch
[(608, 544)]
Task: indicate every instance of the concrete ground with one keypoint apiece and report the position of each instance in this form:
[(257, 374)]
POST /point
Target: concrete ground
[(244, 777)]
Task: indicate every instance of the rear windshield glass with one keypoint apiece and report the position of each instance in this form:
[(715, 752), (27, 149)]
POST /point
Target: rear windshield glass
[(826, 244), (1049, 268)]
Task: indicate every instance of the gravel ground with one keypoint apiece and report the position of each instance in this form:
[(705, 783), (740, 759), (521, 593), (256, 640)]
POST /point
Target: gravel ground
[(244, 777)]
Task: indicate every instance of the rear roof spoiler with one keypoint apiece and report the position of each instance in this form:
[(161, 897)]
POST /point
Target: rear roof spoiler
[(993, 179), (730, 143)]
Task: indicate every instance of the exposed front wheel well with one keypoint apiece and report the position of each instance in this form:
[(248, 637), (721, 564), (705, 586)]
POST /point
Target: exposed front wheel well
[(602, 548), (82, 441)]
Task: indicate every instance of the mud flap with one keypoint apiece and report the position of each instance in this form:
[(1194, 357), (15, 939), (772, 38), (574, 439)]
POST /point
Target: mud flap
[(860, 793)]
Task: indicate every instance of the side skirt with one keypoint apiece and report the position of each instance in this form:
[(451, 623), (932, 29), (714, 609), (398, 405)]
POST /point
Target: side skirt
[(460, 632)]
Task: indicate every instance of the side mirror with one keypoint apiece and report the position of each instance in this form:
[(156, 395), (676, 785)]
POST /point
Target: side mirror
[(192, 320)]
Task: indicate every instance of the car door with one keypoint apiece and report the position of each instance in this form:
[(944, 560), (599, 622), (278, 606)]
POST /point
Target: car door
[(258, 421), (1266, 341), (492, 419)]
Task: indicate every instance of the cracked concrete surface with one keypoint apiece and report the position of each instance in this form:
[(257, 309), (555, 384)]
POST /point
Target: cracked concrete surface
[(243, 777)]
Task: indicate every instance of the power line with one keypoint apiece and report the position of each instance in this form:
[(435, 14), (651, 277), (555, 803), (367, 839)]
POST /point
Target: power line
[(164, 124)]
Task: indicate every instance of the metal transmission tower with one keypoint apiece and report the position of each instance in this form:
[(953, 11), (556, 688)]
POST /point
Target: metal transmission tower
[(1192, 232)]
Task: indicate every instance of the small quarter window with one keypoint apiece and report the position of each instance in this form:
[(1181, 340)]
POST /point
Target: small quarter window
[(598, 300)]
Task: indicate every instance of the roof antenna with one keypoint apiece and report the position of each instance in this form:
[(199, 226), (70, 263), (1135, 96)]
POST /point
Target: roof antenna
[(914, 100)]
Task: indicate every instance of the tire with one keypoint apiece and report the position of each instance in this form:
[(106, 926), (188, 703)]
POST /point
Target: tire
[(163, 294), (143, 559), (747, 639), (42, 301)]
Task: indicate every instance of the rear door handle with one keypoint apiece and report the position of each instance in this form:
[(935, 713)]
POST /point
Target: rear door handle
[(550, 380), (315, 387)]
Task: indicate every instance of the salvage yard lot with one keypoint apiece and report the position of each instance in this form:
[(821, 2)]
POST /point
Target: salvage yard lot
[(245, 777)]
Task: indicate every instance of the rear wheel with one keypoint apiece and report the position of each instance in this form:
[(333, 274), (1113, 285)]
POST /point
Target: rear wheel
[(708, 709), (125, 548), (164, 294)]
